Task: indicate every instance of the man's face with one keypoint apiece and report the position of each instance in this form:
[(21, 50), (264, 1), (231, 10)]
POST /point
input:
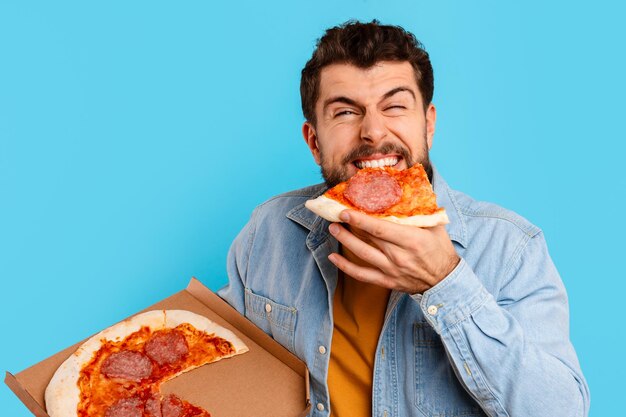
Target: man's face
[(369, 118)]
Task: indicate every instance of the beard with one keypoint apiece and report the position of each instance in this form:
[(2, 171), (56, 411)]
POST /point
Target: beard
[(334, 175)]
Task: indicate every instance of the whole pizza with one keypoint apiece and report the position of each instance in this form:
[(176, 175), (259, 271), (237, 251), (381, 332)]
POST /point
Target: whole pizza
[(119, 371), (400, 196)]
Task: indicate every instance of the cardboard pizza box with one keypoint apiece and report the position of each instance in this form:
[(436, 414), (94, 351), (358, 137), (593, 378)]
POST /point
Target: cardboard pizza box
[(266, 381)]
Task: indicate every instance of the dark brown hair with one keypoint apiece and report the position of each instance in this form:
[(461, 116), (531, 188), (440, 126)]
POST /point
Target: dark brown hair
[(363, 45)]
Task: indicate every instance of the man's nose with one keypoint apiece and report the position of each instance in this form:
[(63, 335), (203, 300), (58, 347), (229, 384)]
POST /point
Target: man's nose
[(373, 127)]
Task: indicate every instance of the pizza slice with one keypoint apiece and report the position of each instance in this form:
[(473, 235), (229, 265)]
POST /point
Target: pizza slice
[(400, 196), (119, 371)]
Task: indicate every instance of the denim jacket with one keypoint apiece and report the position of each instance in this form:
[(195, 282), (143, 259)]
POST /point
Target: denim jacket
[(491, 339)]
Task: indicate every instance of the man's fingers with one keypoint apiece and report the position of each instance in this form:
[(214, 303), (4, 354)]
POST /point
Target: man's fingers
[(361, 273), (379, 228), (361, 249)]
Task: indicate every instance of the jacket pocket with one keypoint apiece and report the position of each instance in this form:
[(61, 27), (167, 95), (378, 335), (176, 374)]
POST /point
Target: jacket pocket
[(277, 320), (438, 391)]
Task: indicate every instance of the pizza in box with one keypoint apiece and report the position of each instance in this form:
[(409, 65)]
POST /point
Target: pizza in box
[(119, 371)]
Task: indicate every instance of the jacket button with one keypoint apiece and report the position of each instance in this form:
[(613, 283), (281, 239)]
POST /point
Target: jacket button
[(322, 350), (268, 307), (320, 406), (432, 310)]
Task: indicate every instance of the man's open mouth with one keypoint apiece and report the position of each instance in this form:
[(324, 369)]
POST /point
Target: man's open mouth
[(388, 161)]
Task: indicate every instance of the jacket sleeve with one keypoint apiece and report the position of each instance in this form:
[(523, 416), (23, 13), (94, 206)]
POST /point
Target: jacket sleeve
[(511, 350), (237, 266)]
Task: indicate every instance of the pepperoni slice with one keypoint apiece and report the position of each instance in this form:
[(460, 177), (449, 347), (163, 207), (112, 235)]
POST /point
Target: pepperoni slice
[(166, 347), (153, 406), (373, 190), (127, 364), (172, 406), (126, 407)]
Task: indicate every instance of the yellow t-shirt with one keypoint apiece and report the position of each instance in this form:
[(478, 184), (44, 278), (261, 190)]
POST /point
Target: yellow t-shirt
[(359, 312)]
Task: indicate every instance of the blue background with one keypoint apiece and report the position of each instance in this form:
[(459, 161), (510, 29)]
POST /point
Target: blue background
[(136, 138)]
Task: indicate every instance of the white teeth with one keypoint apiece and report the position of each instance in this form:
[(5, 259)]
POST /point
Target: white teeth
[(377, 163)]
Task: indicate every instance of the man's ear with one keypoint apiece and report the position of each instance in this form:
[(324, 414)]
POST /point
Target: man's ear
[(431, 119), (310, 137)]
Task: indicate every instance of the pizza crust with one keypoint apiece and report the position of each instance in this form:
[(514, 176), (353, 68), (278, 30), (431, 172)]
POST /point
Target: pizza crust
[(63, 395), (329, 209)]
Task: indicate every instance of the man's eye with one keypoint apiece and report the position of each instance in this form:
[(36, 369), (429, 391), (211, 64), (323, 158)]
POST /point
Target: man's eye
[(396, 107), (344, 113)]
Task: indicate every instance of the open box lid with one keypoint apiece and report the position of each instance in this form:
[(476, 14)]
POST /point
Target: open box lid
[(266, 381)]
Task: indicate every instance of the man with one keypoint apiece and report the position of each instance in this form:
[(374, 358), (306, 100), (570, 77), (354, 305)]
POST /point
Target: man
[(470, 319)]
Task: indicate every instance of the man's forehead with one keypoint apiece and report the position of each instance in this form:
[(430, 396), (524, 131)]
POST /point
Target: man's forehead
[(377, 79)]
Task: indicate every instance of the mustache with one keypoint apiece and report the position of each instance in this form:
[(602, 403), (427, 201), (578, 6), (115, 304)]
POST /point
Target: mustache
[(365, 150)]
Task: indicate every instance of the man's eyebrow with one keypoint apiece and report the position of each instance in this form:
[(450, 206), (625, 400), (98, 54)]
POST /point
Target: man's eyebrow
[(350, 102), (339, 99), (398, 90)]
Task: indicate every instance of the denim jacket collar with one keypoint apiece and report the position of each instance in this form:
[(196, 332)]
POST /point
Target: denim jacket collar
[(319, 227), (457, 229)]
